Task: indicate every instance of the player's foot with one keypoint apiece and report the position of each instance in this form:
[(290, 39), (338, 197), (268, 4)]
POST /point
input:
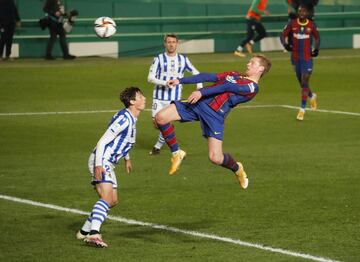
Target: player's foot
[(81, 236), (49, 57), (313, 102), (249, 48), (241, 176), (300, 115), (95, 240), (176, 159), (154, 151), (69, 57), (239, 53)]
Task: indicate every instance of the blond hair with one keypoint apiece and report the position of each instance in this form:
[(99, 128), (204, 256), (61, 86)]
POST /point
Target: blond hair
[(265, 62)]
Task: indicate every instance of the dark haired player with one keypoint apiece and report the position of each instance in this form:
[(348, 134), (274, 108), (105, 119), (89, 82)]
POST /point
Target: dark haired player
[(115, 144), (303, 49)]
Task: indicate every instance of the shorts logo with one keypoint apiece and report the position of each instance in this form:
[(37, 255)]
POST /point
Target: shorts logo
[(217, 133)]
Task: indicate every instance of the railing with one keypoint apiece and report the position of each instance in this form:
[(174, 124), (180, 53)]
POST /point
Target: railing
[(201, 19), (196, 20)]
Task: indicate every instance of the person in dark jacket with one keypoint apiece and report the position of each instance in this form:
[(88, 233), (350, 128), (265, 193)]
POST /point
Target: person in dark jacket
[(9, 19), (55, 12)]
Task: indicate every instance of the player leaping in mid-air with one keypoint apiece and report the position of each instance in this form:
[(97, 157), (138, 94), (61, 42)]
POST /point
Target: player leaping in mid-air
[(210, 105)]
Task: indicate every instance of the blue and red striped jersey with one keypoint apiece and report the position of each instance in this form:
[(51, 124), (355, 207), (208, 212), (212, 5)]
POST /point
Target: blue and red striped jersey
[(302, 38), (229, 90)]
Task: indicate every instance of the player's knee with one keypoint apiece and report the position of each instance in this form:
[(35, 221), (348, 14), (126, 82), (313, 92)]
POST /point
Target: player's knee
[(108, 198), (215, 158), (159, 118)]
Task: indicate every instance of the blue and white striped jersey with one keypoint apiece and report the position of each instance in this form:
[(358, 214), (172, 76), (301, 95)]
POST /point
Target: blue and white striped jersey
[(118, 139), (165, 68)]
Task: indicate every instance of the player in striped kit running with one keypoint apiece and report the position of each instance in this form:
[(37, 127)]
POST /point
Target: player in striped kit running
[(167, 66), (115, 144)]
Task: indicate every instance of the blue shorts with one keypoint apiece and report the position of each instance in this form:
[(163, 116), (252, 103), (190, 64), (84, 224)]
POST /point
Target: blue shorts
[(303, 67), (212, 123)]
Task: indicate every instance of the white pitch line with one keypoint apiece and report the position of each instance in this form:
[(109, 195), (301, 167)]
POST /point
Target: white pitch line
[(60, 113), (324, 110), (174, 230), (113, 111)]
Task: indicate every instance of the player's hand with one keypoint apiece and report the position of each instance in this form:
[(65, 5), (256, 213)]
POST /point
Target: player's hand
[(288, 47), (315, 53), (172, 83), (128, 166), (99, 170), (194, 97)]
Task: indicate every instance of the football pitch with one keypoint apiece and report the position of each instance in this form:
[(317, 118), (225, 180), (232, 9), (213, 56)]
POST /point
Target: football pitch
[(303, 199)]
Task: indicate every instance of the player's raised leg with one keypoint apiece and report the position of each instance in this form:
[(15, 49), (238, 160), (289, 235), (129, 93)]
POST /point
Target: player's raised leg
[(164, 120), (217, 157)]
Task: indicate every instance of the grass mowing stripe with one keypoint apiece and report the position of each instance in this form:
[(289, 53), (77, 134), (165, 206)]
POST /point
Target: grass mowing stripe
[(173, 229), (113, 111)]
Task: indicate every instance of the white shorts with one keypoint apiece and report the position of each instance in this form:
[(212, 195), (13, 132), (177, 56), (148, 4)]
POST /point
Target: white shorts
[(108, 177), (158, 105)]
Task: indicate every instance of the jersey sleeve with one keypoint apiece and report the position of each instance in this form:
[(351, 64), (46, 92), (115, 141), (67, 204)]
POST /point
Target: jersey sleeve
[(255, 9), (152, 73), (285, 34), (111, 133), (316, 35), (189, 67), (223, 75), (199, 78), (193, 71), (240, 89)]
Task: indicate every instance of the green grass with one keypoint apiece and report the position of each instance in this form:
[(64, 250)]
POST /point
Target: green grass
[(304, 176)]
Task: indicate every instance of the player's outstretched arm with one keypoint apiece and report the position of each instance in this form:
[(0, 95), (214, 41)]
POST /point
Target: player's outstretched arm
[(228, 87), (200, 78)]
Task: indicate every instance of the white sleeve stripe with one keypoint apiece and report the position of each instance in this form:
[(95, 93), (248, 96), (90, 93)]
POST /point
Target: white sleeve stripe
[(252, 87)]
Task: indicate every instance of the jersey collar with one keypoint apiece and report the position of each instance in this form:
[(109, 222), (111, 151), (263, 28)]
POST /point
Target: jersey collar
[(303, 24)]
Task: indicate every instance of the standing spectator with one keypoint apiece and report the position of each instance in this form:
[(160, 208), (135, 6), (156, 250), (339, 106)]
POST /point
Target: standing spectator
[(253, 21), (9, 19), (55, 12)]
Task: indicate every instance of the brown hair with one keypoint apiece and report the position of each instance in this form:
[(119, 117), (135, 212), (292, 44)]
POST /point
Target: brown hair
[(129, 94), (173, 35), (265, 62)]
